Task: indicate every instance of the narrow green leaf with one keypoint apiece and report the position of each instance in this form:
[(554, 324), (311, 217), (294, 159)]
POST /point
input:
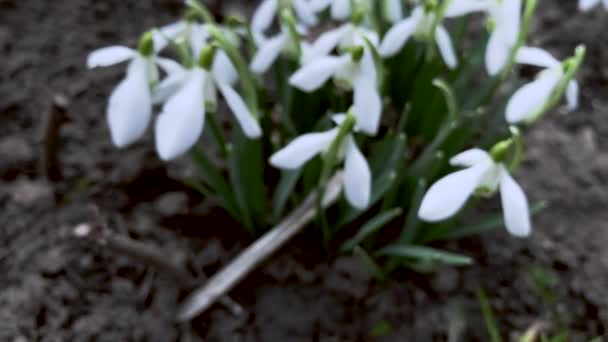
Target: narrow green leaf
[(425, 254), (493, 222), (369, 262), (214, 178), (283, 191), (371, 227), (488, 315), (408, 233), (246, 169)]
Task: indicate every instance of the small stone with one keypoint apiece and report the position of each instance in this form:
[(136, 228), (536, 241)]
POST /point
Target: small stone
[(53, 261), (17, 155), (171, 204), (28, 193)]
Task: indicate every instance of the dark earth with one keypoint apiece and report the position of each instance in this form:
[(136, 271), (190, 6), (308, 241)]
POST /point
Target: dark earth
[(58, 288)]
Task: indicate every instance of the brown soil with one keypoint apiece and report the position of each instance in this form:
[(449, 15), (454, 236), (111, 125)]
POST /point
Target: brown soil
[(55, 288)]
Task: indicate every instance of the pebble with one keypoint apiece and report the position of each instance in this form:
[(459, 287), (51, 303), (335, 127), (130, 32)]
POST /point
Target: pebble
[(16, 154), (171, 204), (29, 193)]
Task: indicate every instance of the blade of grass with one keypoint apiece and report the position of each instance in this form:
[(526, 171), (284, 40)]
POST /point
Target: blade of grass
[(425, 254), (371, 227), (284, 189), (488, 316)]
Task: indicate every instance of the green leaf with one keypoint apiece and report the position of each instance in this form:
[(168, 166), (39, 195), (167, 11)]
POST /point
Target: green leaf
[(425, 254), (283, 191), (371, 227), (492, 222), (369, 262), (216, 181), (246, 169), (488, 316)]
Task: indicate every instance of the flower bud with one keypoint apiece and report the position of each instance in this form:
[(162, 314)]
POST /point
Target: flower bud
[(146, 44)]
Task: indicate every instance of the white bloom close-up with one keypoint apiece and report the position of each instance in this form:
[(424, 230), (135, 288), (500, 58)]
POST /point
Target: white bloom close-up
[(186, 93), (449, 194), (343, 37), (130, 105), (585, 5), (419, 23), (357, 174), (264, 15), (505, 17), (197, 35), (360, 75), (528, 100), (269, 49)]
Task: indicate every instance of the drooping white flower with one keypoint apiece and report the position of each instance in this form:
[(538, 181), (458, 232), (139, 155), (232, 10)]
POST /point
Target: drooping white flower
[(530, 98), (357, 174), (343, 37), (420, 23), (585, 5), (270, 49), (339, 9), (360, 75), (186, 94), (266, 12), (197, 36), (505, 17), (130, 105), (449, 194), (392, 10)]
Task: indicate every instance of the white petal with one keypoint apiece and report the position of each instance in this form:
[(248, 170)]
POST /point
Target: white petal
[(169, 86), (530, 98), (169, 66), (357, 176), (457, 8), (535, 56), (162, 36), (130, 106), (327, 42), (585, 5), (199, 36), (268, 52), (446, 49), (109, 56), (302, 149), (397, 36), (181, 122), (509, 21), (572, 95), (305, 12), (313, 75), (223, 69), (338, 118), (470, 157), (368, 106), (514, 206), (264, 15), (449, 194), (340, 9), (497, 53), (393, 11), (248, 123)]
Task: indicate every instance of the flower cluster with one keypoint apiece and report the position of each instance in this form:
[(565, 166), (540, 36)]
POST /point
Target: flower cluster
[(339, 90)]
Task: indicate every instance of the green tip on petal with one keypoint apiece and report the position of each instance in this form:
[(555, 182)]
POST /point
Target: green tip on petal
[(500, 150), (146, 44), (206, 57)]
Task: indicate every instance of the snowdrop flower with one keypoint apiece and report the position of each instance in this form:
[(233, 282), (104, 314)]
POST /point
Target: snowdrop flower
[(344, 37), (287, 41), (130, 105), (339, 9), (268, 9), (585, 5), (505, 18), (354, 70), (186, 94), (526, 102), (197, 36), (392, 10), (419, 24), (357, 174), (448, 195)]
